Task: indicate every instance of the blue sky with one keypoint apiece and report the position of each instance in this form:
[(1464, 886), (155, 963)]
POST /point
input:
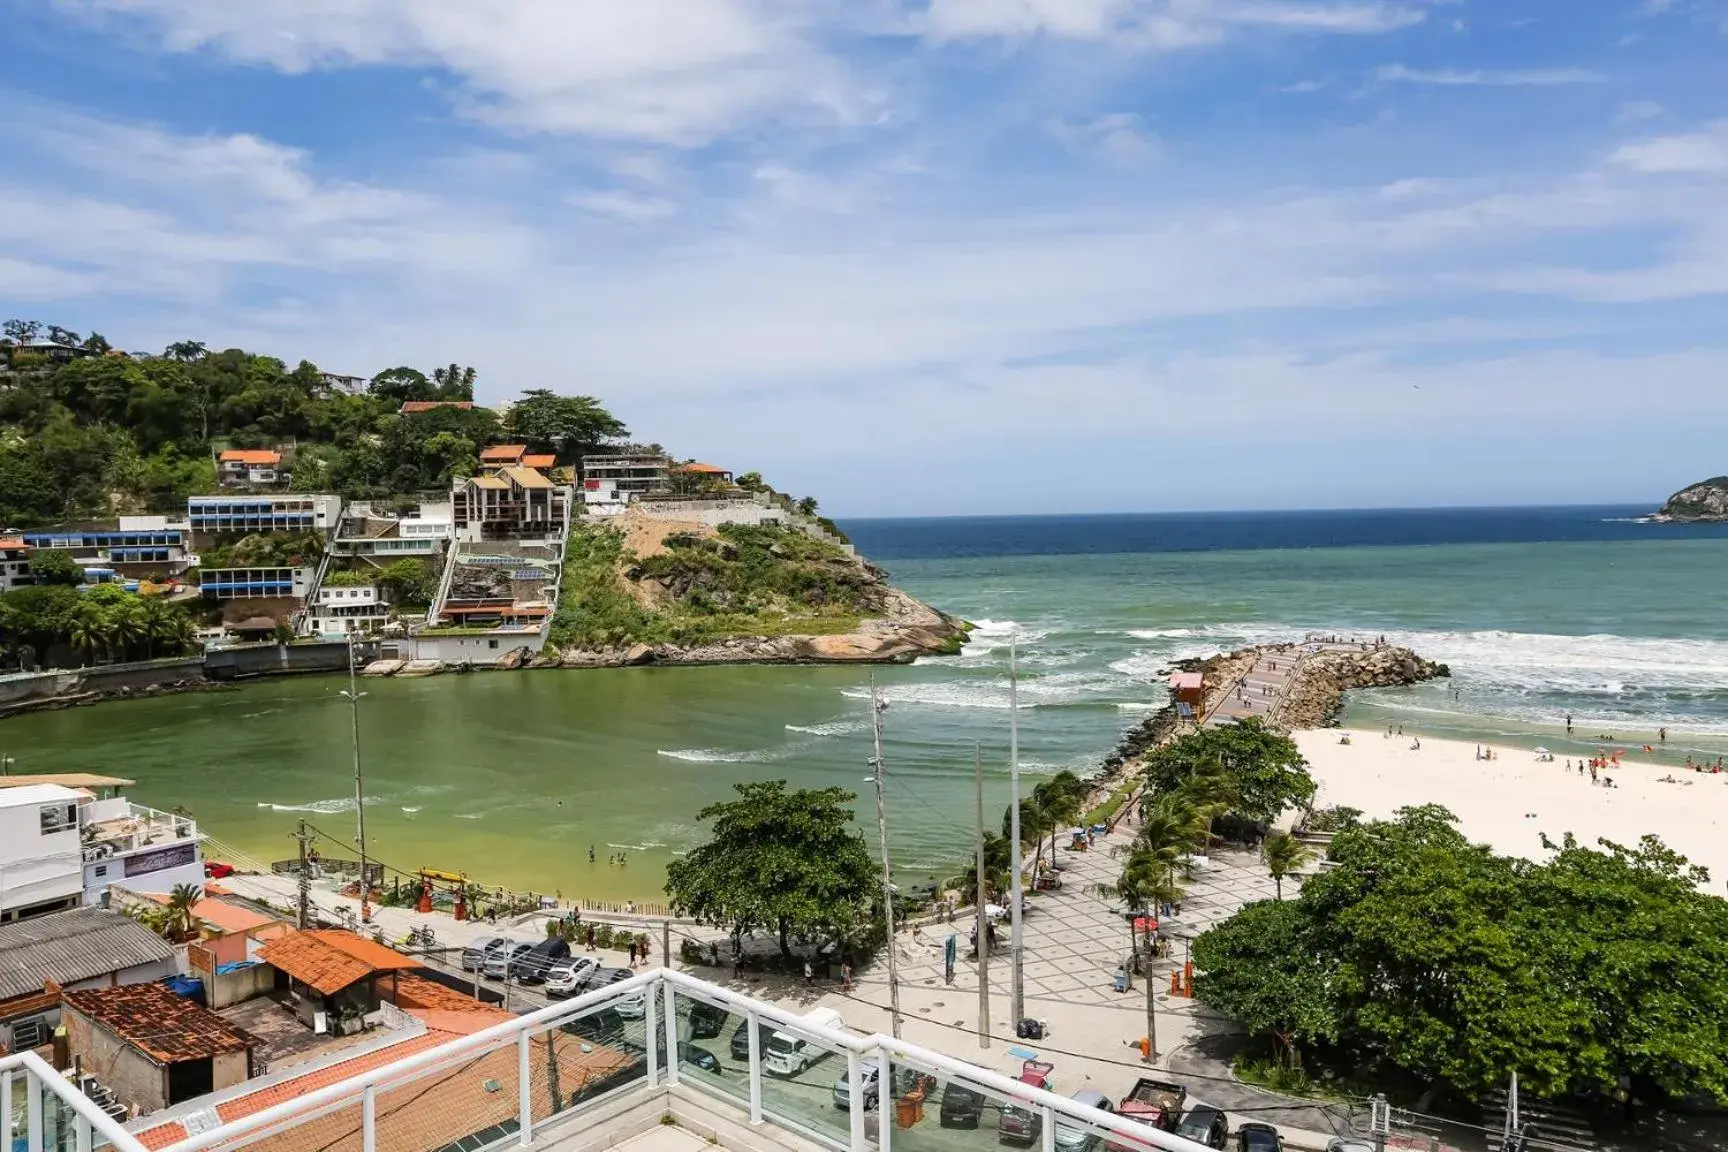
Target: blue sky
[(932, 256)]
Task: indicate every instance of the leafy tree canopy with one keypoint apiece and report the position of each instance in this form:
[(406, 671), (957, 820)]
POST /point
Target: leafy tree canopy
[(785, 860), (566, 425), (52, 566), (1264, 769)]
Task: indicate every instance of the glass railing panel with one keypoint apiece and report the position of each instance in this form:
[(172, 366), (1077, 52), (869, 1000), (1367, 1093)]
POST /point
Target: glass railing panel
[(804, 1085), (469, 1101), (714, 1047), (603, 1050), (935, 1111)]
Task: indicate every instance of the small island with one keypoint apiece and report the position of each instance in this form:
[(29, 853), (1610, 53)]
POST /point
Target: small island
[(1705, 502)]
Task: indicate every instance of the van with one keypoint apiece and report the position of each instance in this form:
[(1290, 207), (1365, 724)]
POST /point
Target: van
[(788, 1054)]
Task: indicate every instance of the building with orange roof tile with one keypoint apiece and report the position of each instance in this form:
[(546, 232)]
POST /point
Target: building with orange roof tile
[(542, 461), (337, 973), (251, 466), (153, 1048), (503, 454), (414, 407)]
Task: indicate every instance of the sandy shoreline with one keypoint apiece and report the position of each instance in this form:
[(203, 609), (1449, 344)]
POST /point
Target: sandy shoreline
[(1510, 801)]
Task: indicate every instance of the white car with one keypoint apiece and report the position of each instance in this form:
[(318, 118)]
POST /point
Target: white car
[(568, 976), (633, 1007)]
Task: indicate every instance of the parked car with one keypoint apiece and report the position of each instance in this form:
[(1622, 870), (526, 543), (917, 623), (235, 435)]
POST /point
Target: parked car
[(217, 870), (633, 1007), (1071, 1138), (707, 1020), (961, 1106), (698, 1057), (1157, 1103), (474, 956), (741, 1039), (787, 1054), (869, 1082), (1022, 1123), (1206, 1125), (531, 967), (498, 964), (1257, 1137), (570, 975)]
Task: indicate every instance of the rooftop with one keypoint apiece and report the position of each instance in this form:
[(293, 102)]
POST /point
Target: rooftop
[(330, 959), (70, 946), (527, 477), (27, 794), (502, 453), (539, 461), (704, 469), (263, 457), (66, 779), (411, 406), (167, 1028)]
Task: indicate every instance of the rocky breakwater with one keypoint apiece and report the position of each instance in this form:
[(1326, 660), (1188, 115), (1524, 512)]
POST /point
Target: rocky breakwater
[(1316, 692)]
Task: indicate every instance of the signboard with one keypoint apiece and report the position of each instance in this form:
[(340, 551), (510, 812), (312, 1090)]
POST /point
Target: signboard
[(160, 858)]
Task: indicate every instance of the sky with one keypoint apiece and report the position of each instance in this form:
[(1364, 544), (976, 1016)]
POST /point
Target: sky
[(925, 257)]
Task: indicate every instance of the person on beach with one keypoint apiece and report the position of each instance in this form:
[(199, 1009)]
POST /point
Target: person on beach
[(810, 973), (1592, 771), (1568, 723), (590, 853), (845, 977), (1662, 735)]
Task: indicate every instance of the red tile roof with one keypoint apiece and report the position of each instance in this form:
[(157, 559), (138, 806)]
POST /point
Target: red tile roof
[(537, 461), (414, 992), (506, 453), (169, 1029), (409, 407), (330, 959), (705, 469), (259, 457)]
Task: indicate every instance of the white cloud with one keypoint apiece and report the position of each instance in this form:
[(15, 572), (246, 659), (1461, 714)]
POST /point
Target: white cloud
[(624, 205), (1302, 87), (1160, 24), (1119, 137), (681, 71), (1696, 152), (1635, 110), (1517, 78)]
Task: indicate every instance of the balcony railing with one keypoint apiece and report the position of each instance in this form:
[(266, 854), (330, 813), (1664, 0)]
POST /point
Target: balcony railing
[(140, 827), (654, 1035)]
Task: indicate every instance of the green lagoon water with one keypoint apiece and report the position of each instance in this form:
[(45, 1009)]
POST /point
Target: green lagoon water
[(512, 777)]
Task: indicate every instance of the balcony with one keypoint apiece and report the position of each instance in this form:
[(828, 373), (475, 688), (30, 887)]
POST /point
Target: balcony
[(133, 828), (661, 1062)]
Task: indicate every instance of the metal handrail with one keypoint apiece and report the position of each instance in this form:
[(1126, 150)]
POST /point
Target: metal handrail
[(86, 1110)]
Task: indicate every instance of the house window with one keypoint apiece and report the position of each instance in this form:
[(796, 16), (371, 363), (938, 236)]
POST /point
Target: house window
[(101, 871), (491, 643), (59, 818)]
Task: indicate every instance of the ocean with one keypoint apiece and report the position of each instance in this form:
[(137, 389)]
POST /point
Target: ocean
[(512, 778)]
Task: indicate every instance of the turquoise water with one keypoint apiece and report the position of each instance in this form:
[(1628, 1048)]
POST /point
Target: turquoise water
[(512, 777)]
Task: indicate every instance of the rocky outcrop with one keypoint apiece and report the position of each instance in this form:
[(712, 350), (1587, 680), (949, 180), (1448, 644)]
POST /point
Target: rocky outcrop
[(909, 629), (1321, 679), (1703, 503)]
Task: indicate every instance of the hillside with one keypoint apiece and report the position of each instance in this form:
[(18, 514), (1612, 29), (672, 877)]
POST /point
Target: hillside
[(1703, 503), (656, 591)]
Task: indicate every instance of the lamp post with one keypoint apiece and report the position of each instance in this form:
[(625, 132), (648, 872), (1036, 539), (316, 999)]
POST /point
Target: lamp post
[(353, 694), (877, 707)]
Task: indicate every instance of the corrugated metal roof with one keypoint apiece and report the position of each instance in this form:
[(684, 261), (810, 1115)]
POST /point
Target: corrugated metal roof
[(66, 947)]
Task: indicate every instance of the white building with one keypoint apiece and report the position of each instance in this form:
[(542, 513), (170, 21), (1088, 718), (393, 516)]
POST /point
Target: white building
[(65, 838), (140, 546), (374, 533), (41, 855), (288, 512), (255, 583), (340, 610), (250, 466), (602, 498), (14, 563)]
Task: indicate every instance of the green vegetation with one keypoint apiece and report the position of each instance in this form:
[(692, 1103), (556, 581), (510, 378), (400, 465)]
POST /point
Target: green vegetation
[(746, 581), (786, 861), (262, 550), (108, 433), (101, 623), (1261, 769), (1420, 956)]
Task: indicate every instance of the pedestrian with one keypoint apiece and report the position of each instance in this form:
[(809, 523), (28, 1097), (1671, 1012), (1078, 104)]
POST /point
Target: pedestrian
[(632, 953), (1662, 735), (590, 853), (590, 937), (646, 944), (810, 973), (845, 977), (737, 964)]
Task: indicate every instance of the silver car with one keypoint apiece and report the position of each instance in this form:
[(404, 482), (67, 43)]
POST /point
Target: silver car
[(1072, 1139)]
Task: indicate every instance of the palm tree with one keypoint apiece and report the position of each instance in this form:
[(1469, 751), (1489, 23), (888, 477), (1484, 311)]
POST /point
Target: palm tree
[(127, 627), (454, 382), (1283, 855), (181, 922), (186, 350), (87, 630), (159, 625)]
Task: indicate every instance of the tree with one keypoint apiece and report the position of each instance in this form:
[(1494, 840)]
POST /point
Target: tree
[(399, 385), (97, 344), (88, 631), (22, 331), (454, 382), (1260, 968), (788, 861), (1283, 854), (565, 425), (181, 923), (1263, 767), (53, 566), (186, 351), (408, 581)]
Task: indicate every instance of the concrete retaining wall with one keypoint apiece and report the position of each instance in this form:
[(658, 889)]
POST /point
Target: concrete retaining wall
[(279, 659), (712, 512)]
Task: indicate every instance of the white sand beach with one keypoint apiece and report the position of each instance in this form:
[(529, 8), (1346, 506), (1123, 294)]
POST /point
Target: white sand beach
[(1508, 802)]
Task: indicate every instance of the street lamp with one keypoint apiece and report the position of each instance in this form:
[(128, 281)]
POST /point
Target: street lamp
[(354, 696)]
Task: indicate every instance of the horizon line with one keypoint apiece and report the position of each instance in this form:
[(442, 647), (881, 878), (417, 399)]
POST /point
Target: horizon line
[(1250, 512)]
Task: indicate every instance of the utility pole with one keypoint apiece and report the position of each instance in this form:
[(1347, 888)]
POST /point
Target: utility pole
[(983, 929), (1379, 1120), (877, 707), (304, 920), (354, 695), (1151, 1015), (665, 943), (1018, 999)]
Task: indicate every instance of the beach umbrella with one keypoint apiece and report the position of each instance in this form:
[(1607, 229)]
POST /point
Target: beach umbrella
[(1541, 751)]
